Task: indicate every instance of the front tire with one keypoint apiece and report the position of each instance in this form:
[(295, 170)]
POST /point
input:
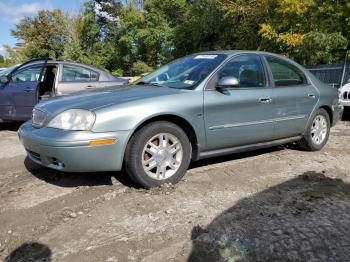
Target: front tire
[(317, 133), (158, 153)]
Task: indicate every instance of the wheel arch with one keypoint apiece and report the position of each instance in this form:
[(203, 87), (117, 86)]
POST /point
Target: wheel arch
[(329, 112), (177, 120), (317, 107)]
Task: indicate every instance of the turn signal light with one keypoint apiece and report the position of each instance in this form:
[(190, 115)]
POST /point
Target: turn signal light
[(102, 142)]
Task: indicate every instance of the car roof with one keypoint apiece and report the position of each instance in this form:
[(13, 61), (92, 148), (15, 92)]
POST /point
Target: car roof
[(64, 62), (104, 75), (234, 52), (231, 53)]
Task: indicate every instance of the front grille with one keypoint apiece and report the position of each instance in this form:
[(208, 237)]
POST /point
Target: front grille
[(38, 117), (346, 95)]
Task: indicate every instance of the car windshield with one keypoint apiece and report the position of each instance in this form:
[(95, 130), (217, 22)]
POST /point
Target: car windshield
[(7, 71), (184, 73)]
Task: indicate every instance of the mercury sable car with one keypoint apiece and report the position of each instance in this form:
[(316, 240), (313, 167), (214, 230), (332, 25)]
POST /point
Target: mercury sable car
[(202, 105), (23, 86)]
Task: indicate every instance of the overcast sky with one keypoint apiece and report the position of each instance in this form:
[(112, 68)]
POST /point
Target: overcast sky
[(11, 11)]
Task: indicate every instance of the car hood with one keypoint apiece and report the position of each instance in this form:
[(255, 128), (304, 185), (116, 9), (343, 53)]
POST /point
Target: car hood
[(104, 97)]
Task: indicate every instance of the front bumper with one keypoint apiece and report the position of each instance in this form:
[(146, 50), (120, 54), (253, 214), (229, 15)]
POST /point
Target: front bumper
[(70, 151), (345, 102)]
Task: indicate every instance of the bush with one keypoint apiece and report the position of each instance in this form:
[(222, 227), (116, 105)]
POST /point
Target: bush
[(140, 67)]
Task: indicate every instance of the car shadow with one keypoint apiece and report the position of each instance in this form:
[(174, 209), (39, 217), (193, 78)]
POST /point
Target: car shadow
[(64, 179), (31, 251), (304, 219), (10, 126)]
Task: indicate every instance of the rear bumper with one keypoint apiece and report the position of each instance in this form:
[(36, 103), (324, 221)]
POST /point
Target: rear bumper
[(70, 150)]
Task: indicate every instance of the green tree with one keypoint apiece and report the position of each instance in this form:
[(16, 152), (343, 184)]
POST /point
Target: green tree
[(44, 35), (245, 18), (132, 36), (140, 67), (15, 55), (203, 27), (310, 31)]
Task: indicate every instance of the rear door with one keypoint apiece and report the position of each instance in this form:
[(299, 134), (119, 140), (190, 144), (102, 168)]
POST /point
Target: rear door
[(76, 78), (21, 92), (243, 114), (294, 97)]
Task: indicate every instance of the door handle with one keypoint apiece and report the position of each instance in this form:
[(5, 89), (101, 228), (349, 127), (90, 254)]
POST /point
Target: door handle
[(265, 100), (90, 87), (311, 96)]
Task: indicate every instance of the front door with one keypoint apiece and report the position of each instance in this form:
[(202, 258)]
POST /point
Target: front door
[(21, 92), (242, 114)]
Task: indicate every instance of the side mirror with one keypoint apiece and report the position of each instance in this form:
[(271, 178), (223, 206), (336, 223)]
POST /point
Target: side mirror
[(4, 79), (228, 82)]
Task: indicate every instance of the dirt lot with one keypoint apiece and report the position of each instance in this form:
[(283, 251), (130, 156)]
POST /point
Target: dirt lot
[(279, 204)]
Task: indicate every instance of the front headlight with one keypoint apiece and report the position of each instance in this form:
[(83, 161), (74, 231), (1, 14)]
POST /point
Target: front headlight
[(73, 119)]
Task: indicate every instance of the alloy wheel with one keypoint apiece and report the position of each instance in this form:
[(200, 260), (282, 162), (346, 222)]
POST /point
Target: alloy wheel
[(162, 156), (319, 129)]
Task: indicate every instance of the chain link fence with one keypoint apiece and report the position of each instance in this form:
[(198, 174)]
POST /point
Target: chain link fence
[(335, 75)]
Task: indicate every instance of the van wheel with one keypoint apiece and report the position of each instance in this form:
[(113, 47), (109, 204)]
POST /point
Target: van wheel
[(317, 133), (158, 153)]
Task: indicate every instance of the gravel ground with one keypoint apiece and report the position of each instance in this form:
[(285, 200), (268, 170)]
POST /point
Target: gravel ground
[(279, 204)]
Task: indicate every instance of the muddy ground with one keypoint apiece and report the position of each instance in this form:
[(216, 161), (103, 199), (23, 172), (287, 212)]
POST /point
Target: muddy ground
[(279, 204)]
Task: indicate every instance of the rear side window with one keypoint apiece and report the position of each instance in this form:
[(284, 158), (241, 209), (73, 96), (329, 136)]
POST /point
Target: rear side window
[(78, 74), (285, 74)]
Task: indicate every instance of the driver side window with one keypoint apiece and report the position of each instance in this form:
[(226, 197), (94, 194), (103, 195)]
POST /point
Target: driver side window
[(30, 74), (247, 69)]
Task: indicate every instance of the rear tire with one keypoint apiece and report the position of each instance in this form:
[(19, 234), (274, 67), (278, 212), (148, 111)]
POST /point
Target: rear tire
[(317, 133), (158, 153)]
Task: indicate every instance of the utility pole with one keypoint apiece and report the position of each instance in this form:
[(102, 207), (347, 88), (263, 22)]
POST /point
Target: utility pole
[(344, 68)]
